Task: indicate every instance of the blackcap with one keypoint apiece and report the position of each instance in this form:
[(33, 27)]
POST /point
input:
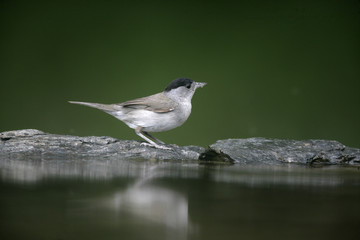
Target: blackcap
[(156, 113)]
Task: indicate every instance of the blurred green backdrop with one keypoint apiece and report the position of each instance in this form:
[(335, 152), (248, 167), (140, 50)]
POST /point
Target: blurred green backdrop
[(278, 69)]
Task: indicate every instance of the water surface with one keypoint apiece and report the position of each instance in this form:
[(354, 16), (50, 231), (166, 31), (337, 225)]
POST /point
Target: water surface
[(115, 199)]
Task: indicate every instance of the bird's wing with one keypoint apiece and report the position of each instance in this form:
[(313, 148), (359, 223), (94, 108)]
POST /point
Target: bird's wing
[(159, 103)]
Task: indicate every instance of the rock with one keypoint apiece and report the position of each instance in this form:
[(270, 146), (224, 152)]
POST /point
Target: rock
[(35, 144), (277, 151)]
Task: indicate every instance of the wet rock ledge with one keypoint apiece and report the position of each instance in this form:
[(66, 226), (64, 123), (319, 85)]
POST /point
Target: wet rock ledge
[(35, 144)]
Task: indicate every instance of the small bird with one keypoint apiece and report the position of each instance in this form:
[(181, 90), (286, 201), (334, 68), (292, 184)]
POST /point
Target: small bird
[(156, 113)]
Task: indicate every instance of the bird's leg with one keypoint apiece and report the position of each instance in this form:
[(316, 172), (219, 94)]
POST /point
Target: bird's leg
[(152, 137), (150, 142)]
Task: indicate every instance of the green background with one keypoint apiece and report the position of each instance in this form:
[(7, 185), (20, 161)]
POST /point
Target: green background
[(278, 69)]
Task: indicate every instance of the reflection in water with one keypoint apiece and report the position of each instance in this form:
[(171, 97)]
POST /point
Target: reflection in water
[(284, 175), (163, 209), (28, 171), (141, 200), (153, 204), (167, 200), (156, 205)]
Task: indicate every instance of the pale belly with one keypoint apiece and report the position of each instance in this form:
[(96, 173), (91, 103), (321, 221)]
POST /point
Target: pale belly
[(152, 121)]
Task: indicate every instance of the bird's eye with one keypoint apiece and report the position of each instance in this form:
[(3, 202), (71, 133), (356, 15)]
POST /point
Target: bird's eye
[(188, 86)]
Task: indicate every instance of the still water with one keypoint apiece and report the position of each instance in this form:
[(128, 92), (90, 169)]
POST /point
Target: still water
[(116, 199)]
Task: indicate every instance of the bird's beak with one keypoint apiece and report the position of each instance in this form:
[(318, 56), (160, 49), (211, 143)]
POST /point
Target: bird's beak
[(200, 84)]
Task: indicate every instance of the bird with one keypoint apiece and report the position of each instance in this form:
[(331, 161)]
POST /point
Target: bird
[(155, 113)]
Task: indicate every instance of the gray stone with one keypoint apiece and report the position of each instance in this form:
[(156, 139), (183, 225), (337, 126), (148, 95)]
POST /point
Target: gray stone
[(35, 144), (277, 151)]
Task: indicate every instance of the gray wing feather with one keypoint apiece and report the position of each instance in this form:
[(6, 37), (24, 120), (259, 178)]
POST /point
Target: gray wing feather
[(159, 103)]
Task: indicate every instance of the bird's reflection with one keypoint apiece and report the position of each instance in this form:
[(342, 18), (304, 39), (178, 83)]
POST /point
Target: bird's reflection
[(152, 203), (142, 201)]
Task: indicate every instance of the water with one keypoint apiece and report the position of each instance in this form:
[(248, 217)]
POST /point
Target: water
[(113, 199)]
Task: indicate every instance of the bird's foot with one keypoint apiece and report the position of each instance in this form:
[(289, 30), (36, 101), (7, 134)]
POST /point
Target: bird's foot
[(155, 146)]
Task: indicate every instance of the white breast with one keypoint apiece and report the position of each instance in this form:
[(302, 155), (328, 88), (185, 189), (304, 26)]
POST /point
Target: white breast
[(155, 122)]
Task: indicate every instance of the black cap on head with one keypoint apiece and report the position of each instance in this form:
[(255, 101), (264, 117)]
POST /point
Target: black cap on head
[(180, 82)]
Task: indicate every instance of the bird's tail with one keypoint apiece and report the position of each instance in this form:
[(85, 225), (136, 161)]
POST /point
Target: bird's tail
[(104, 107)]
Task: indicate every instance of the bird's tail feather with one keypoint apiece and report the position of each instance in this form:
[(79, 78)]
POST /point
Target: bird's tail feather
[(104, 107)]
